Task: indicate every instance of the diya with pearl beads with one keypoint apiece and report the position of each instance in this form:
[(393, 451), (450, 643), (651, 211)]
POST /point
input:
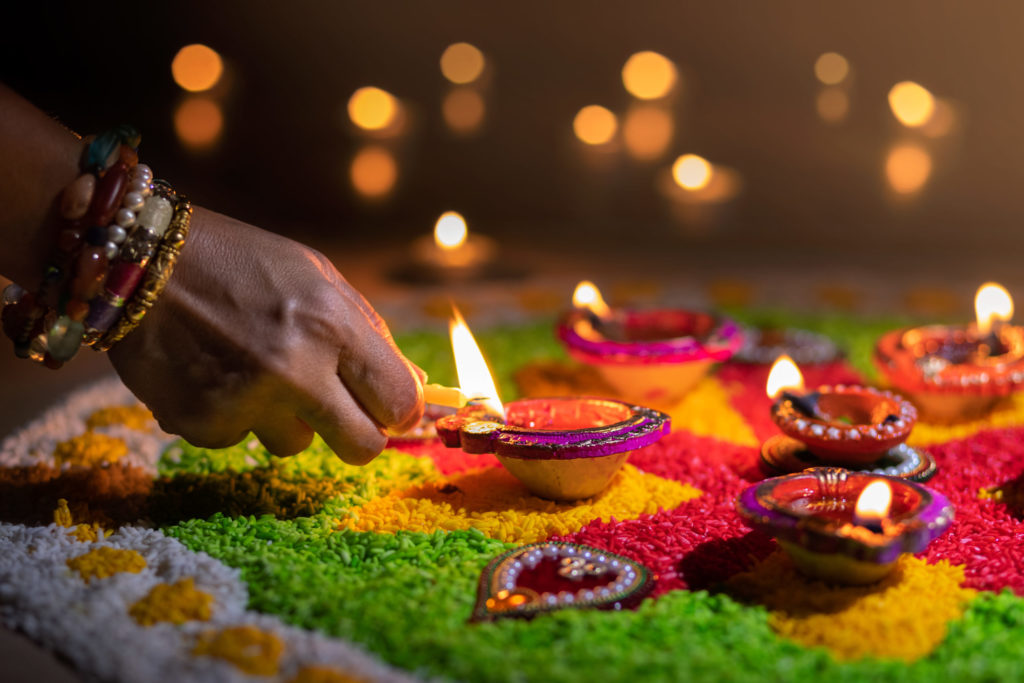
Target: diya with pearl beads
[(856, 427), (956, 372), (650, 357), (565, 448), (832, 526)]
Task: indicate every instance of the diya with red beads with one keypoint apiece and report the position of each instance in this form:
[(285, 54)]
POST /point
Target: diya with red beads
[(544, 577), (564, 448), (856, 427), (650, 357), (833, 526), (958, 372)]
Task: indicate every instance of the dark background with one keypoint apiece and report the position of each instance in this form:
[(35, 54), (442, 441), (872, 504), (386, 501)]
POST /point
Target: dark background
[(747, 100)]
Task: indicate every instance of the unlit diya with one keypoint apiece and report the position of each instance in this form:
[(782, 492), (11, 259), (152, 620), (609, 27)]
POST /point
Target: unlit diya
[(763, 345), (952, 372), (652, 357), (544, 577), (812, 516), (564, 448)]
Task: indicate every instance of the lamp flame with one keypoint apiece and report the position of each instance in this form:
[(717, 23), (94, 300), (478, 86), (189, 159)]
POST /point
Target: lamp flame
[(588, 296), (784, 375), (450, 231), (873, 503), (475, 380), (992, 303)]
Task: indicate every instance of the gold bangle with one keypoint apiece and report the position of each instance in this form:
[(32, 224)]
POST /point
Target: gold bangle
[(158, 273)]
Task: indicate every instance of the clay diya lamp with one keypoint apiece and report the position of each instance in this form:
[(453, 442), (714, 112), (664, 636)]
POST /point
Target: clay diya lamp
[(763, 345), (842, 526), (453, 254), (855, 427), (951, 372), (563, 448), (651, 357), (544, 577)]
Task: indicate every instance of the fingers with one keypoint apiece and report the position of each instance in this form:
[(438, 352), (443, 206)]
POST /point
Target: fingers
[(343, 424), (378, 376), (205, 435), (284, 436)]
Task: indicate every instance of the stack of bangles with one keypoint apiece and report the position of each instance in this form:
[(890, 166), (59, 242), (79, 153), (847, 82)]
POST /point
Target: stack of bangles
[(120, 237)]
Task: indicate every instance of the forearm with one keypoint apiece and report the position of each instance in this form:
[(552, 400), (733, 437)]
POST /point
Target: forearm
[(38, 159)]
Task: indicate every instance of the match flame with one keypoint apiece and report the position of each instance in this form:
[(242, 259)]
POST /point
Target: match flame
[(475, 380), (784, 375), (874, 501), (992, 303), (450, 231), (588, 296)]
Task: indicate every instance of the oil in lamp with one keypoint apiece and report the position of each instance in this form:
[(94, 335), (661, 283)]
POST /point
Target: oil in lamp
[(842, 526), (957, 372), (565, 448), (651, 357), (859, 428)]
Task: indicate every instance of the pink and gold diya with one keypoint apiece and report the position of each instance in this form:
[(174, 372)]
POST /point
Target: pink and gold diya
[(842, 526), (543, 577), (651, 357), (955, 372), (565, 448), (859, 428)]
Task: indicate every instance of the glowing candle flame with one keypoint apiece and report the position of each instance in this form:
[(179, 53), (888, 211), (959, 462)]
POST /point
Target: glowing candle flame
[(450, 231), (475, 380), (588, 296), (874, 502), (992, 303), (784, 375), (692, 172)]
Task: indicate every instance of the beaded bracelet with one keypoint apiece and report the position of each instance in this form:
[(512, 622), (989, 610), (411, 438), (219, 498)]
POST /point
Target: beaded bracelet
[(114, 223)]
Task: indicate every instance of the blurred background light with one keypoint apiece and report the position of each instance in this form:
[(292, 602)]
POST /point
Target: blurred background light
[(831, 68), (911, 103), (833, 104), (907, 168), (198, 122), (691, 172), (450, 231), (647, 131), (373, 172), (196, 67), (464, 110), (649, 75), (595, 125), (372, 108), (462, 63)]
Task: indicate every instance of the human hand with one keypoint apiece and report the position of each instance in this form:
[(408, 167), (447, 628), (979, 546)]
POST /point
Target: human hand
[(256, 332)]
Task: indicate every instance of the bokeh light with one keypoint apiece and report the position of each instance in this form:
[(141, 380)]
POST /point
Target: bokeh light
[(462, 63), (463, 110), (911, 103), (831, 68), (450, 231), (595, 125), (907, 168), (833, 104), (647, 132), (942, 121), (649, 75), (372, 108), (198, 122), (691, 172), (197, 67), (373, 172)]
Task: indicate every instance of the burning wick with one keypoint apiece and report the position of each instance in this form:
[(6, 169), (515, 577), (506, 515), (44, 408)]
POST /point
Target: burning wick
[(474, 376), (588, 297), (872, 507), (993, 306), (805, 403)]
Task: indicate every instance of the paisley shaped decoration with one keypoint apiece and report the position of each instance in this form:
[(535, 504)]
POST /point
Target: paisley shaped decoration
[(544, 577)]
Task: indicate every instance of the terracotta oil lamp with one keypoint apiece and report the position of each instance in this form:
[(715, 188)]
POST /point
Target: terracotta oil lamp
[(565, 448), (763, 345), (649, 357), (952, 372), (842, 526), (855, 427)]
